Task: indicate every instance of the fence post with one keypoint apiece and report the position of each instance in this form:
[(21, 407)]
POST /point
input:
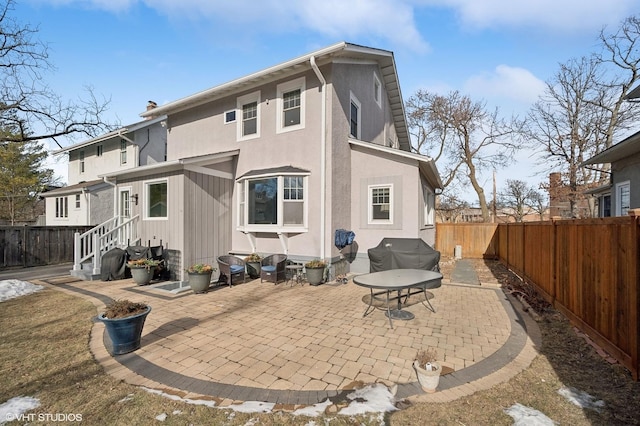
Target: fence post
[(76, 251), (635, 317)]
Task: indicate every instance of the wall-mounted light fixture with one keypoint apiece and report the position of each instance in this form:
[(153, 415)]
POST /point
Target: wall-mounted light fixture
[(135, 198)]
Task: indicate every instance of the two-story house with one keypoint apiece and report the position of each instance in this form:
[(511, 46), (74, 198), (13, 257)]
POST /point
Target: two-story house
[(278, 160), (89, 198)]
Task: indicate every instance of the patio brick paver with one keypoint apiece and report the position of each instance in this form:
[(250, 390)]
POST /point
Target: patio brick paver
[(302, 344)]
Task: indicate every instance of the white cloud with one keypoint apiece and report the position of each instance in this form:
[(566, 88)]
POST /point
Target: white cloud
[(557, 15), (516, 84)]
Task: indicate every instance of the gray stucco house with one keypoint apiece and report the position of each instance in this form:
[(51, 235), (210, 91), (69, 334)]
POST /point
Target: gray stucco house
[(278, 160), (623, 191)]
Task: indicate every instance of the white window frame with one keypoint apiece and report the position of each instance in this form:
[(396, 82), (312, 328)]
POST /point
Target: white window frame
[(429, 206), (235, 116), (62, 207), (81, 159), (99, 150), (377, 90), (370, 219), (297, 84), (122, 190), (147, 198), (123, 152), (243, 206), (619, 187), (356, 102), (244, 100), (77, 201)]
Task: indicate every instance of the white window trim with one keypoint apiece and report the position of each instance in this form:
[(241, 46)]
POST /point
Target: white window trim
[(619, 186), (128, 189), (243, 100), (429, 206), (145, 205), (353, 99), (234, 119), (370, 219), (298, 83), (377, 93), (77, 202), (243, 206), (123, 152), (81, 163)]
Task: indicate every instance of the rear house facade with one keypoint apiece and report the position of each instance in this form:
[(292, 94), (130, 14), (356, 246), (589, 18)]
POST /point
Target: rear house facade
[(278, 160)]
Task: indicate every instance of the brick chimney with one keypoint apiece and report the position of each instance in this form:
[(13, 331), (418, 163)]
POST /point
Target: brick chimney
[(151, 105)]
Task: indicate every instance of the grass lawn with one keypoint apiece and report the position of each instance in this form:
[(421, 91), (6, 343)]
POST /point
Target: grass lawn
[(44, 354)]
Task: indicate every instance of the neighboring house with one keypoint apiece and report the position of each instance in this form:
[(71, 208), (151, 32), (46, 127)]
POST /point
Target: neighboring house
[(278, 160), (89, 198), (623, 191)]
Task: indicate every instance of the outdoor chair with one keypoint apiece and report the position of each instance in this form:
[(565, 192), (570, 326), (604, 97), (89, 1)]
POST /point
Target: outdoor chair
[(273, 268), (231, 267)]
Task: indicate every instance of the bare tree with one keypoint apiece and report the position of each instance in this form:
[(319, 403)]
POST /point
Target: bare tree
[(462, 136), (450, 207), (518, 199), (583, 109), (27, 103)]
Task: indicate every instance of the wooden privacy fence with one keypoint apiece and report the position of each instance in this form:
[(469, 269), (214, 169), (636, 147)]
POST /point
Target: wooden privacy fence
[(36, 245), (587, 269)]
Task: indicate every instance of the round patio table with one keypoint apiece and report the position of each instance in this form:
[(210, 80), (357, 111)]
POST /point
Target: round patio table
[(398, 280)]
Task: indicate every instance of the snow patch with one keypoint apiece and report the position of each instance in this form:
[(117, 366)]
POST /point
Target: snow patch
[(10, 289), (372, 398), (581, 398), (13, 408), (526, 416)]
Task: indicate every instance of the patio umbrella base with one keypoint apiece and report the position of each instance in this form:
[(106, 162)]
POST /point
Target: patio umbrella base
[(399, 314)]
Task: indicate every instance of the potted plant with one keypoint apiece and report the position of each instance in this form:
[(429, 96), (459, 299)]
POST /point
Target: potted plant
[(315, 271), (123, 321), (200, 277), (253, 264), (142, 270), (427, 369)]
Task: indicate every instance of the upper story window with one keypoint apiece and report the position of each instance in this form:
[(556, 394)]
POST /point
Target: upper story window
[(273, 203), (355, 118), (123, 151), (156, 199), (62, 207), (77, 201), (230, 116), (377, 90), (249, 124), (291, 105), (99, 149), (623, 202), (81, 158), (380, 204)]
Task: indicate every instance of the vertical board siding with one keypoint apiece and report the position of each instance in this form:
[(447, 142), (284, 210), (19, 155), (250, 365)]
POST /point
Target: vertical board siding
[(37, 245), (588, 269)]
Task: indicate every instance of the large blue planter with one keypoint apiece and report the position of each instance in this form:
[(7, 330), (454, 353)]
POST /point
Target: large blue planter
[(125, 333)]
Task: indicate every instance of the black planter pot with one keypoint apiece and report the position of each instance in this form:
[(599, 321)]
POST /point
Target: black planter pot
[(124, 333)]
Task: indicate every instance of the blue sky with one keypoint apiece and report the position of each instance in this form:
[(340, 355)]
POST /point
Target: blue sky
[(132, 51)]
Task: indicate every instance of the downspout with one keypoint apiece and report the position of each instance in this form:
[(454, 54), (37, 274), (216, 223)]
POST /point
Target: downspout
[(323, 154), (115, 195)]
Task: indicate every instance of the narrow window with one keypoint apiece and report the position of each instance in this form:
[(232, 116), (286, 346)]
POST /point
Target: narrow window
[(623, 195), (293, 200), (123, 151), (377, 90), (99, 149), (250, 119), (81, 156), (354, 118), (77, 201), (291, 108)]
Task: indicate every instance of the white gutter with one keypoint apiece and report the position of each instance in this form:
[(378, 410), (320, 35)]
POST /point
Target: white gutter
[(323, 155), (115, 196)]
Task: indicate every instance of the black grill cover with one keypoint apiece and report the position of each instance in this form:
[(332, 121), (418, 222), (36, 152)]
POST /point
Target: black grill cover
[(403, 253), (113, 265)]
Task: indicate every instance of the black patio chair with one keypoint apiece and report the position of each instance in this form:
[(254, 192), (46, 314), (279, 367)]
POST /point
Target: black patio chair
[(231, 267), (273, 268)]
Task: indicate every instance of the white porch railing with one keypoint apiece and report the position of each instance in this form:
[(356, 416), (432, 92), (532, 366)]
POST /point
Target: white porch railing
[(115, 232)]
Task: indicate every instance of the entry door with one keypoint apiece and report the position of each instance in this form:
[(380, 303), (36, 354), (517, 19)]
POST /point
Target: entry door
[(125, 203)]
